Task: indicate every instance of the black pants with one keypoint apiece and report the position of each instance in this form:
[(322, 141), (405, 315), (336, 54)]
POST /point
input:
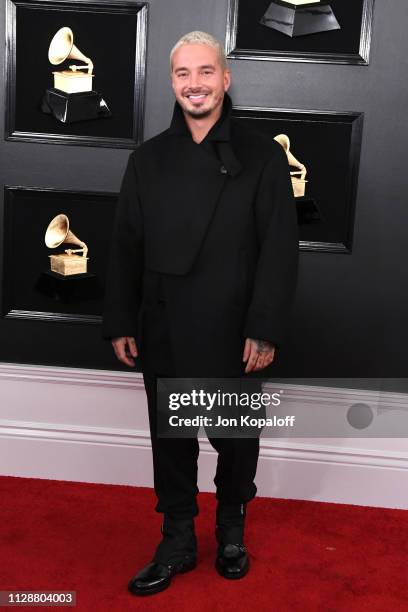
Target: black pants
[(175, 459)]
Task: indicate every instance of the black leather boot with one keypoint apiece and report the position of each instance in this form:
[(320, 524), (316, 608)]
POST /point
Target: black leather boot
[(176, 554), (232, 559)]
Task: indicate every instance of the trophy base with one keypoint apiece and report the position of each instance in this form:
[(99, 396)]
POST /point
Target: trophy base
[(299, 187), (307, 211), (73, 82), (69, 289), (66, 265), (72, 107), (300, 20)]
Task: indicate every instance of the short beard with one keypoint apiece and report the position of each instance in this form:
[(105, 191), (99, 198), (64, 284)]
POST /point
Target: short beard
[(198, 114)]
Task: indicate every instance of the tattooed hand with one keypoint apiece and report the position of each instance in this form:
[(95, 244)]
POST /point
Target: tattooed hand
[(258, 353)]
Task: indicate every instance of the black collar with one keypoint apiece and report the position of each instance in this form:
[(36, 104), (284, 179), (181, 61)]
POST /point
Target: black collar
[(220, 131), (220, 134)]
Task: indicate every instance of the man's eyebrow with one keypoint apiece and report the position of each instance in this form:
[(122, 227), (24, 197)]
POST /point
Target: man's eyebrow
[(206, 66)]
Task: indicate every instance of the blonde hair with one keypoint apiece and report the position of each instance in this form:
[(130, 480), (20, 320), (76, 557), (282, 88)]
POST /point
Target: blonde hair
[(201, 38)]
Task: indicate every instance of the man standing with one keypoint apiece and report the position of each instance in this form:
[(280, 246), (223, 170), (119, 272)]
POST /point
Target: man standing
[(201, 280)]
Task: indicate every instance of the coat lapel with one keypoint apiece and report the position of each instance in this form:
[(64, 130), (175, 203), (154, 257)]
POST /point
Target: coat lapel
[(183, 202), (190, 181)]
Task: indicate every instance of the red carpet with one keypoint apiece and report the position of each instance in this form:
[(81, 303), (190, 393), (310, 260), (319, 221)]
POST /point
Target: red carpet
[(306, 556)]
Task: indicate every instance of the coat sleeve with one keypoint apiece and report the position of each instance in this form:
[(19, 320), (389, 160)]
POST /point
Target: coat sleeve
[(275, 278), (123, 286)]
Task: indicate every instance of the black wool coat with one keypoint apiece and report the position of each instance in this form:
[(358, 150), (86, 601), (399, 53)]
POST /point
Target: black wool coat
[(215, 223)]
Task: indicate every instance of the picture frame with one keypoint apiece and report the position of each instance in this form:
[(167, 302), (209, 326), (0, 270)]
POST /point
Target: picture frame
[(247, 36), (30, 290), (327, 144), (103, 109)]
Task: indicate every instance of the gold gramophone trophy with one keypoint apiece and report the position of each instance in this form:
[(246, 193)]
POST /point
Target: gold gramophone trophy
[(300, 17), (298, 182), (66, 263), (307, 209), (72, 98)]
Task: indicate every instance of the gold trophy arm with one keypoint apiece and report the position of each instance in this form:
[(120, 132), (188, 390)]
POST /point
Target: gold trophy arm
[(83, 250), (89, 65), (297, 164)]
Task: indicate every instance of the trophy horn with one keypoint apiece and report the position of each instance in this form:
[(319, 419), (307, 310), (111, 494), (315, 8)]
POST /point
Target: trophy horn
[(62, 47), (298, 182), (284, 141), (58, 232)]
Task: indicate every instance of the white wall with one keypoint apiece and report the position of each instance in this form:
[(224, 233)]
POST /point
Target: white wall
[(92, 426)]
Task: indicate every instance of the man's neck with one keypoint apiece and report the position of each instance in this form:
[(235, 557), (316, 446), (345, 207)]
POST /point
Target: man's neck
[(200, 126)]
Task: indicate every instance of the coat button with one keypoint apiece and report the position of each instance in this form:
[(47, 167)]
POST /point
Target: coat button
[(223, 170)]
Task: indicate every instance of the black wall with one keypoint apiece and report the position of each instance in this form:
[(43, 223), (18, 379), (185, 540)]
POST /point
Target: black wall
[(350, 316)]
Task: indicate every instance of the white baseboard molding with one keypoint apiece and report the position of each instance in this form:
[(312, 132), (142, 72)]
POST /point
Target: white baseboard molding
[(97, 431)]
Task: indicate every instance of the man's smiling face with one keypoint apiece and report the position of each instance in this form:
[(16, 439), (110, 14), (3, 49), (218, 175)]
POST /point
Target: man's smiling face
[(198, 79)]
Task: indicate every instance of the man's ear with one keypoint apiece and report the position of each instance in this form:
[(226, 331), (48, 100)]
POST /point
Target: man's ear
[(227, 80)]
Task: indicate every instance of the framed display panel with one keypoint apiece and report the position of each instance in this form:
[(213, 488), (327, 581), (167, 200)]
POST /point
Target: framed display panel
[(327, 144), (30, 289), (102, 106), (330, 31)]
